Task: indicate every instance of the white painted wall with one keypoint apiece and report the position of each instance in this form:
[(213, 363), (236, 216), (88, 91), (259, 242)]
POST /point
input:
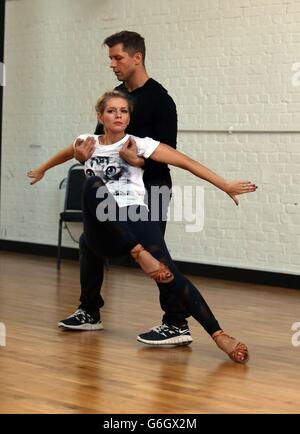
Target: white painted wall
[(227, 63)]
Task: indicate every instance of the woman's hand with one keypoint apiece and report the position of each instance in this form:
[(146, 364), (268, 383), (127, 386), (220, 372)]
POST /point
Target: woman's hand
[(36, 175), (233, 188)]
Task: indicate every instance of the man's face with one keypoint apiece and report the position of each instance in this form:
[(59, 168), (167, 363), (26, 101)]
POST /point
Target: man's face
[(122, 63)]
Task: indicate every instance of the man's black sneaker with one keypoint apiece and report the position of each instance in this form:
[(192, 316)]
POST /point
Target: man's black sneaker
[(82, 320), (166, 334)]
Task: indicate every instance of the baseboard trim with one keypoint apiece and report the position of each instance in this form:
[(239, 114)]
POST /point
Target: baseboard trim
[(38, 249), (216, 271)]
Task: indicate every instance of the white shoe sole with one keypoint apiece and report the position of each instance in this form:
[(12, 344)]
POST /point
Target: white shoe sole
[(97, 326), (179, 340)]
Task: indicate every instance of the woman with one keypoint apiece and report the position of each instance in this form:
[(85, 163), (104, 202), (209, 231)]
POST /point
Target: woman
[(115, 189)]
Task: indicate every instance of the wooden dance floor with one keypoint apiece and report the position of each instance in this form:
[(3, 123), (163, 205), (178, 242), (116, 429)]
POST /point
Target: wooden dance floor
[(47, 370)]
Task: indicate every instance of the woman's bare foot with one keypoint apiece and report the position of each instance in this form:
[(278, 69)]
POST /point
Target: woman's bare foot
[(151, 266), (237, 351)]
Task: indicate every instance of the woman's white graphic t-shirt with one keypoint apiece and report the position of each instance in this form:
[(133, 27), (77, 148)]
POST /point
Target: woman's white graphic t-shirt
[(124, 182)]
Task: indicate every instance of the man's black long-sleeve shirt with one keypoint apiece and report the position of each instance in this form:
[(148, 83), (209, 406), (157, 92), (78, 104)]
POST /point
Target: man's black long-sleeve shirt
[(154, 115)]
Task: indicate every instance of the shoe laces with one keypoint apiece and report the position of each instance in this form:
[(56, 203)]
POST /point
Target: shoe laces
[(162, 328), (81, 314)]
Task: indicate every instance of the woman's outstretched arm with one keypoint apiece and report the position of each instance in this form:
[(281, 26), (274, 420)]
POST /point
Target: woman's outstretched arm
[(59, 158), (166, 154)]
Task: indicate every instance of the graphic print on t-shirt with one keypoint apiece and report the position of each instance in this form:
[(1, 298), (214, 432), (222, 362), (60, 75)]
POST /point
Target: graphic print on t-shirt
[(113, 171)]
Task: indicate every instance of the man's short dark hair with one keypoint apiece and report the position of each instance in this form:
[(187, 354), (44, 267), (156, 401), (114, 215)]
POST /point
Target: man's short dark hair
[(132, 42)]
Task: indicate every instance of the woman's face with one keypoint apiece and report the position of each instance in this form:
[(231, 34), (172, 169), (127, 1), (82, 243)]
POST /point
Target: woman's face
[(115, 116)]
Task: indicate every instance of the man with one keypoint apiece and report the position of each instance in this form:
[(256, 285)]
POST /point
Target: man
[(155, 116)]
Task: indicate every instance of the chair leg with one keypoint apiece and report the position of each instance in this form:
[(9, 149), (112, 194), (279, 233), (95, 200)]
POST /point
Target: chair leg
[(59, 245)]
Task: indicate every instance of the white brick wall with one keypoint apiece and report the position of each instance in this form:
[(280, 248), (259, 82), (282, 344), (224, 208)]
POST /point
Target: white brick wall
[(226, 63)]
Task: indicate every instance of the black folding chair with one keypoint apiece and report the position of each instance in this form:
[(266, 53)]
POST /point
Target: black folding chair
[(72, 206)]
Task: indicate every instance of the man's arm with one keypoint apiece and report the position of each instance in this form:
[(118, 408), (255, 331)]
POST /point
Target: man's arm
[(59, 158)]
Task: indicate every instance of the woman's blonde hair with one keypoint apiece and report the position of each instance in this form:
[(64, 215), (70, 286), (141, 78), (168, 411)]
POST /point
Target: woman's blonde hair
[(102, 100)]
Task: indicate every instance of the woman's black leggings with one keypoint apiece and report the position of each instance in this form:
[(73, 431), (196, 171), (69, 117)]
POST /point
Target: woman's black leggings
[(114, 237)]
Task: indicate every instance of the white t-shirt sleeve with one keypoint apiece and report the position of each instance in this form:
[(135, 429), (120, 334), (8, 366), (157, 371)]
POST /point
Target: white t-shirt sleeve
[(146, 146)]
